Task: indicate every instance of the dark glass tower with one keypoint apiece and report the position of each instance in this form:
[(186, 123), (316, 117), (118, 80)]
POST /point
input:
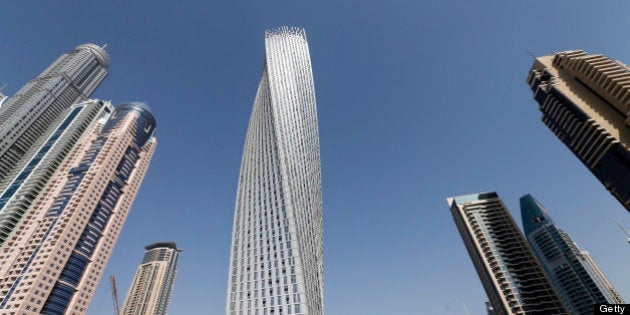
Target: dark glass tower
[(510, 273), (578, 280), (585, 101)]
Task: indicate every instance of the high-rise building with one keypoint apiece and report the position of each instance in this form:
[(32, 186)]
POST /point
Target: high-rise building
[(577, 279), (276, 264), (585, 101), (30, 118), (25, 183), (53, 262), (151, 289), (510, 273), (2, 98)]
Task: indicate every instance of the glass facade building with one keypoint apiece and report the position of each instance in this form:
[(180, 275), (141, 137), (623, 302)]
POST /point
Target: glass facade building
[(53, 262), (577, 279), (34, 119), (25, 116), (509, 271), (25, 183), (585, 101), (276, 263), (151, 289)]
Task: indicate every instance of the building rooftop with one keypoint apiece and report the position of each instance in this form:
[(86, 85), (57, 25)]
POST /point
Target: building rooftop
[(171, 245), (101, 55)]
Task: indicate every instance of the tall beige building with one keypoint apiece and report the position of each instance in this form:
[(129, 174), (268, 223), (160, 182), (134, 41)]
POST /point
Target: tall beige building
[(585, 102), (53, 261), (151, 289)]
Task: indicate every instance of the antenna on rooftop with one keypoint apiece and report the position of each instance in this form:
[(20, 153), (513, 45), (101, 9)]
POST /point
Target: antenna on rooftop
[(530, 54), (624, 231), (104, 46)]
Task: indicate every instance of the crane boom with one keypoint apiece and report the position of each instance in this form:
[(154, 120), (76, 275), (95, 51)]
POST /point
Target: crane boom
[(112, 280)]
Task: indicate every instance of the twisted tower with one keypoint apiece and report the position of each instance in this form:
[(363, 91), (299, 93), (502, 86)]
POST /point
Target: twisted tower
[(276, 264)]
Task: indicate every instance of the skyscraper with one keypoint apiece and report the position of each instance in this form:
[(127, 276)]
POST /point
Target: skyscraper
[(585, 101), (577, 279), (3, 98), (25, 116), (151, 289), (52, 262), (33, 119), (24, 183), (510, 274), (276, 263)]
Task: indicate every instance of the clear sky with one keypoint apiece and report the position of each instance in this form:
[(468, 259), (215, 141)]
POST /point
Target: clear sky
[(417, 100)]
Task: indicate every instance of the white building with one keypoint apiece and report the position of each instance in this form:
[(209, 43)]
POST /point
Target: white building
[(276, 264)]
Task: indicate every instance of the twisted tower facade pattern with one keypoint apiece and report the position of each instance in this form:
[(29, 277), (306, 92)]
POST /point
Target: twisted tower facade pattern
[(585, 102), (578, 280), (276, 264), (510, 273), (53, 262), (152, 286)]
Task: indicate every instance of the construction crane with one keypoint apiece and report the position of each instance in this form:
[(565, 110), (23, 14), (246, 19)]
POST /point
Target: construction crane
[(112, 280), (624, 230)]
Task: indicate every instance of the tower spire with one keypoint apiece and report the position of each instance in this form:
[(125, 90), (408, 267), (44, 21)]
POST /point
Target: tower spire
[(624, 231)]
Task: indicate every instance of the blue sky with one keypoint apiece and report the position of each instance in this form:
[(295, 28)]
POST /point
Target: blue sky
[(417, 101)]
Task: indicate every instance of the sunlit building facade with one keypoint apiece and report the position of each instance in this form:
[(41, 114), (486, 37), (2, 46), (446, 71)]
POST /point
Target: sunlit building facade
[(53, 262), (25, 183), (26, 116), (577, 279), (509, 271), (152, 287), (276, 264), (585, 101), (33, 120)]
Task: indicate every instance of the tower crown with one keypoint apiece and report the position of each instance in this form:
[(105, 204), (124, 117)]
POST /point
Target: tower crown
[(533, 214), (286, 30), (101, 55), (170, 245)]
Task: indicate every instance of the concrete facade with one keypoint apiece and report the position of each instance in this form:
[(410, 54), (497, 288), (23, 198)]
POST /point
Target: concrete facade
[(53, 262), (585, 102), (152, 287)]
